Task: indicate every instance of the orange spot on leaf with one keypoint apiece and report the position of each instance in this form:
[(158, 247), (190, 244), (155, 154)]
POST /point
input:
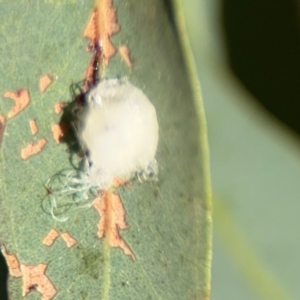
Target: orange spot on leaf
[(107, 26), (33, 127), (21, 100), (58, 107), (12, 263), (45, 81), (32, 149), (91, 28), (2, 127), (125, 53), (92, 32), (101, 26), (50, 238), (57, 132), (118, 182), (112, 218), (89, 75), (70, 241), (34, 277)]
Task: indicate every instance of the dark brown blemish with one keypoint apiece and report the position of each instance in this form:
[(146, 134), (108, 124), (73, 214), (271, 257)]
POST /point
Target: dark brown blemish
[(92, 32)]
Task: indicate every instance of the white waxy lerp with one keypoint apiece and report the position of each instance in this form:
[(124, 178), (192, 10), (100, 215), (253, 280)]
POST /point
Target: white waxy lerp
[(120, 131)]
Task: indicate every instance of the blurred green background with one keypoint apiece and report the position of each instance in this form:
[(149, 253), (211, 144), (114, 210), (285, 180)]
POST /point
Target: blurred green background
[(248, 60)]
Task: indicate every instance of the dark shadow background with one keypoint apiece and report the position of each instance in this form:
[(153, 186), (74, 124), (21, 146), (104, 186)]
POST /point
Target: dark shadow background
[(263, 45), (3, 278)]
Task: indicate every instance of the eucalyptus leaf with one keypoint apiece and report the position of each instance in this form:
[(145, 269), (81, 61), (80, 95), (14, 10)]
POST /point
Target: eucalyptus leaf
[(169, 220)]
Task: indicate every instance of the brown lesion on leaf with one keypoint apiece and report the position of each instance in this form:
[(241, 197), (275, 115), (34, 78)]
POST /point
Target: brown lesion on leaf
[(32, 148), (45, 81), (57, 132), (33, 127), (91, 32), (34, 278), (2, 127), (90, 76), (91, 29), (50, 238), (117, 182), (112, 219), (58, 107), (12, 263), (101, 26), (125, 54), (69, 240), (21, 100), (107, 26), (53, 234)]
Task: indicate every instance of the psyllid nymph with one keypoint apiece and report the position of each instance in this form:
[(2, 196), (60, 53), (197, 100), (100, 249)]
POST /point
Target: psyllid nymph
[(118, 130)]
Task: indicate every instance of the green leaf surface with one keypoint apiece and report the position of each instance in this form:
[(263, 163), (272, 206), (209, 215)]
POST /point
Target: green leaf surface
[(169, 220), (255, 177)]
